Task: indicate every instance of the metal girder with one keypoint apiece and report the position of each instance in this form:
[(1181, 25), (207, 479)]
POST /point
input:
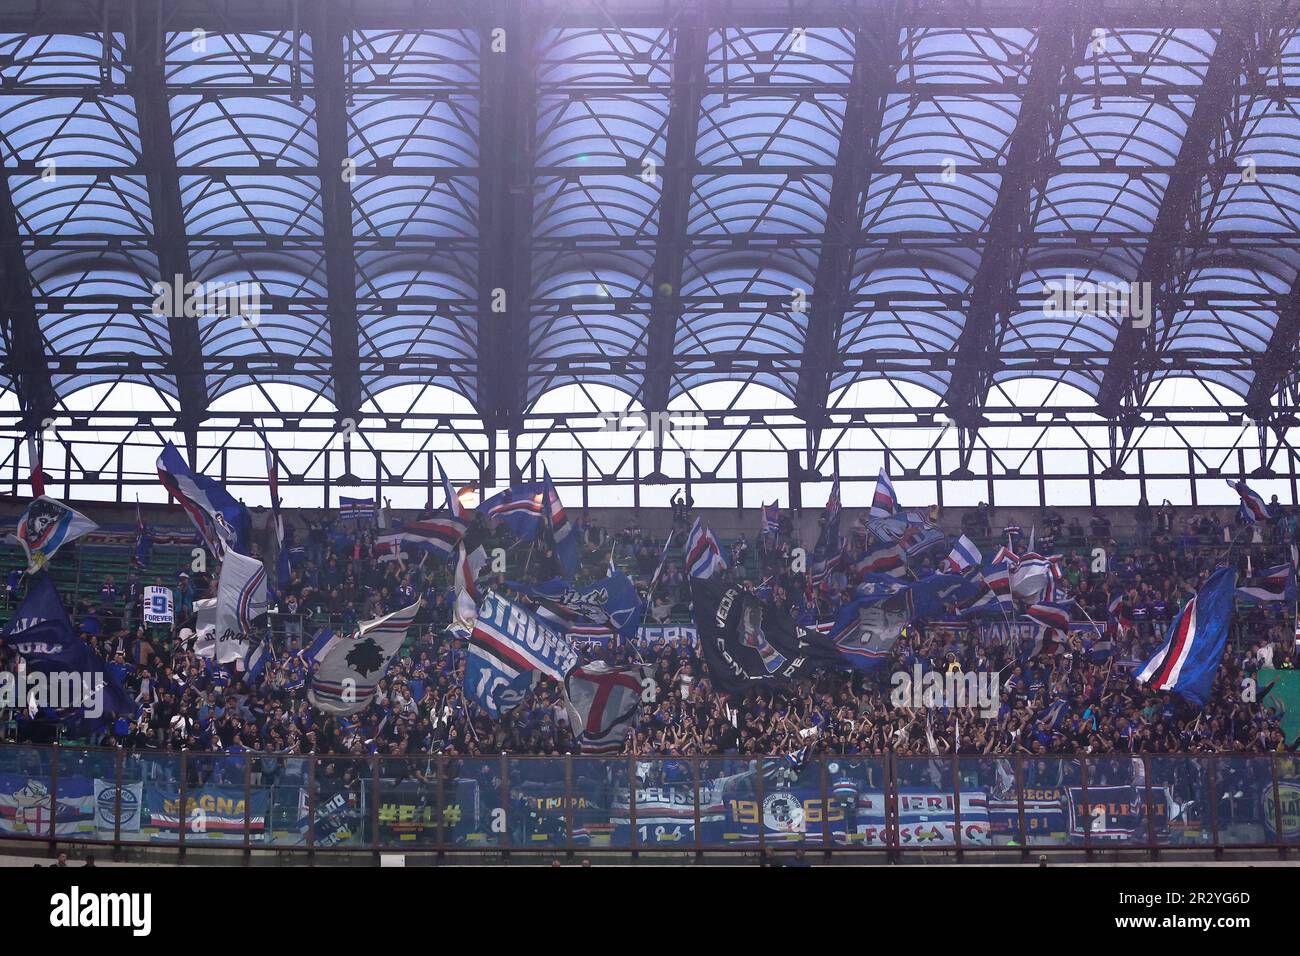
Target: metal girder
[(1175, 219), (505, 214), (250, 15), (690, 60), (145, 51), (25, 359), (875, 51), (330, 92), (1277, 363), (1011, 222)]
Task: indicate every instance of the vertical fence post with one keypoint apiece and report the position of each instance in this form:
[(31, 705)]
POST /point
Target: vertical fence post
[(758, 790), (440, 802), (248, 809), (695, 803), (54, 797), (119, 762), (893, 841), (182, 817), (633, 836), (956, 804), (1151, 810), (311, 809), (1277, 809), (1086, 822), (1020, 805), (374, 802), (504, 797), (1212, 776), (826, 807), (568, 803)]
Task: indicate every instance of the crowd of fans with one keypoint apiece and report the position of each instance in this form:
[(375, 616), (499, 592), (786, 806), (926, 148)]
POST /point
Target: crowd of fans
[(1078, 700)]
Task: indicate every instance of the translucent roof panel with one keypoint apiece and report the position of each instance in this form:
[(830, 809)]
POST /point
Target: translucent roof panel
[(653, 199)]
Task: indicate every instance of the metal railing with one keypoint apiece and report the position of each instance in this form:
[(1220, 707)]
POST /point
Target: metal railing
[(504, 803)]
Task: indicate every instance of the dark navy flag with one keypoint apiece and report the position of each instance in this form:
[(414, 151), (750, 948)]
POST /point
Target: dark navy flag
[(1190, 656), (52, 649), (39, 605), (929, 595)]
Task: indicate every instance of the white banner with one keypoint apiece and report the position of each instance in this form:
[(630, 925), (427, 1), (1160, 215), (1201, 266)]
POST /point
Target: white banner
[(241, 597), (158, 606)]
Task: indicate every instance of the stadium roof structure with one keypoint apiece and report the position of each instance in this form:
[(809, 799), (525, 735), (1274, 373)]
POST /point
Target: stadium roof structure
[(814, 235)]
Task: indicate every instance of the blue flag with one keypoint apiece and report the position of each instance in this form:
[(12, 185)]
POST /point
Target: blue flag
[(221, 521), (611, 602), (1189, 658), (521, 507), (42, 634)]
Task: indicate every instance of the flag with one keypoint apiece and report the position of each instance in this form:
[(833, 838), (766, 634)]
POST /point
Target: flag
[(283, 569), (356, 509), (964, 555), (1253, 508), (884, 559), (828, 549), (40, 604), (220, 520), (41, 633), (205, 627), (47, 525), (1272, 584), (659, 568), (612, 603), (930, 595), (867, 628), (454, 507), (143, 542), (439, 536), (516, 634), (493, 682), (772, 518), (241, 598), (35, 457), (602, 702), (344, 681), (745, 642), (1033, 580), (321, 646), (1190, 656), (520, 507), (1117, 619), (703, 553), (884, 502), (564, 536), (257, 663), (470, 558)]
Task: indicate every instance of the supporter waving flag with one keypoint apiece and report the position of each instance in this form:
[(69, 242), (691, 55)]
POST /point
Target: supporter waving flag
[(564, 536), (828, 550), (221, 521), (602, 702), (356, 509), (703, 553), (1253, 508), (521, 507), (47, 525), (1272, 584), (1190, 656), (345, 680), (885, 501), (964, 556)]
